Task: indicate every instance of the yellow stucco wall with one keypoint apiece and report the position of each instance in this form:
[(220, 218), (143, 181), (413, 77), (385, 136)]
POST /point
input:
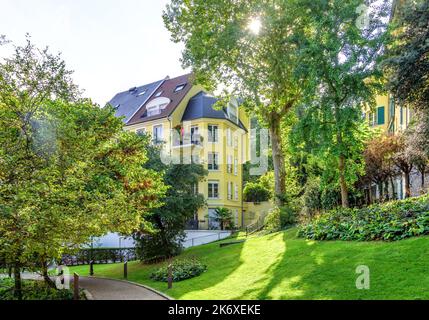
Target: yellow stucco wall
[(395, 119)]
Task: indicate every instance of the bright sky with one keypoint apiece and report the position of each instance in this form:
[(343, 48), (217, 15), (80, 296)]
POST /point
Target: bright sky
[(111, 45)]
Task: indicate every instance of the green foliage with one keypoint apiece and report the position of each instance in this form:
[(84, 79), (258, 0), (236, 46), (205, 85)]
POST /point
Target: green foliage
[(341, 56), (33, 290), (182, 269), (312, 196), (67, 169), (255, 192), (279, 218), (407, 61), (265, 70), (390, 221), (180, 203)]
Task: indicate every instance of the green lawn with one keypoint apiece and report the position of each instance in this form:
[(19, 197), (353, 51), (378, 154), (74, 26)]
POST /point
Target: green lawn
[(280, 266)]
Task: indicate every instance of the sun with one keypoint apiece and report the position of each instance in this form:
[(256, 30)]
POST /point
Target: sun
[(255, 25)]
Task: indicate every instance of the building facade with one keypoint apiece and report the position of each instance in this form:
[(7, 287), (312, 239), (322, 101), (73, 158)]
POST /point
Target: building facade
[(391, 118), (182, 118)]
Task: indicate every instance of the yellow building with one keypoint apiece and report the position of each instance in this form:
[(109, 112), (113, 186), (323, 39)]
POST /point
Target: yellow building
[(388, 116), (181, 116)]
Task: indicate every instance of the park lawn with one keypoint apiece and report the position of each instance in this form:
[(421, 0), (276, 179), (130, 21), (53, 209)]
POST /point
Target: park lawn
[(281, 266)]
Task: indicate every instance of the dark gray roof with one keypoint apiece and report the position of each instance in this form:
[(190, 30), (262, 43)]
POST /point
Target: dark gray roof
[(127, 103), (201, 106)]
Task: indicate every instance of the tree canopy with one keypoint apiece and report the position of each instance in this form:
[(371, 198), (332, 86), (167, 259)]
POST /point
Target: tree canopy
[(67, 170)]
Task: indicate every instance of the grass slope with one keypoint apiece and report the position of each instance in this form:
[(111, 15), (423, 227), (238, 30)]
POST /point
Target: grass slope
[(281, 266)]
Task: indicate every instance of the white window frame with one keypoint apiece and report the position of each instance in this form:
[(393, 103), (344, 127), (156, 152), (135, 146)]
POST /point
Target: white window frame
[(236, 217), (229, 164), (235, 166), (229, 190), (212, 195), (215, 129), (214, 157), (236, 192), (229, 137), (155, 138), (195, 135)]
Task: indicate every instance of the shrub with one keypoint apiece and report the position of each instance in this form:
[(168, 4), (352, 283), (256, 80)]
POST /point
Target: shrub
[(255, 192), (182, 269), (311, 198), (279, 218), (33, 290), (390, 221)]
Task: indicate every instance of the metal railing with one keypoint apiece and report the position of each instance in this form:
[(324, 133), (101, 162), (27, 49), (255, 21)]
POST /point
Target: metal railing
[(197, 240), (256, 226)]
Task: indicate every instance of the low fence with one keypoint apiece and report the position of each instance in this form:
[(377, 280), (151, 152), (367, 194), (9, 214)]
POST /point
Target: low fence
[(99, 256), (197, 241)]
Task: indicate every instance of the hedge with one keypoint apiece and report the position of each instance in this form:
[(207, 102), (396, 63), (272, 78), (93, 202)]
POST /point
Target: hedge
[(395, 220)]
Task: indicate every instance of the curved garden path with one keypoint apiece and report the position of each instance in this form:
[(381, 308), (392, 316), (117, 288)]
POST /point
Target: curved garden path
[(110, 289), (107, 289)]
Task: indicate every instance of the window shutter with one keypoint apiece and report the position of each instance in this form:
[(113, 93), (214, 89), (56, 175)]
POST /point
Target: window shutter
[(380, 115)]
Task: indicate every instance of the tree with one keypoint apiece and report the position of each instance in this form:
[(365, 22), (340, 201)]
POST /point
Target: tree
[(251, 48), (404, 158), (342, 56), (224, 217), (407, 62), (378, 162), (255, 192), (180, 204), (67, 170)]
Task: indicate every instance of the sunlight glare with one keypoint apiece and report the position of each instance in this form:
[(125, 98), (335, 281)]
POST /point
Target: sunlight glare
[(255, 25)]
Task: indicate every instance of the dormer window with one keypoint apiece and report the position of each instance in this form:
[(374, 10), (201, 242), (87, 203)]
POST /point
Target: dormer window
[(232, 110), (153, 111), (180, 87), (156, 106)]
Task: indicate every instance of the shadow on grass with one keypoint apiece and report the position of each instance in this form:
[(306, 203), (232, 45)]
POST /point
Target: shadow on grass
[(279, 266), (327, 270)]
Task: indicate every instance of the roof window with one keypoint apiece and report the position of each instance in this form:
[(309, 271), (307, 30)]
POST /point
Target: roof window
[(180, 87)]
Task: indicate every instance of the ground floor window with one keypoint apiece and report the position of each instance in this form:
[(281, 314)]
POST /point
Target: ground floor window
[(213, 189), (213, 224)]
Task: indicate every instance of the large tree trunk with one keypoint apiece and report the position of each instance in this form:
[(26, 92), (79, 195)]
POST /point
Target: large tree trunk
[(45, 275), (18, 282), (386, 190), (380, 191), (392, 183), (278, 162), (370, 193), (407, 185), (343, 183)]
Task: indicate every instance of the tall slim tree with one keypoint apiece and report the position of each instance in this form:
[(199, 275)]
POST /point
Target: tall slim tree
[(252, 49), (342, 51)]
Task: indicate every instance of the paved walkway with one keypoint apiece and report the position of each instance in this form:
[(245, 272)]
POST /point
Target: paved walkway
[(107, 289)]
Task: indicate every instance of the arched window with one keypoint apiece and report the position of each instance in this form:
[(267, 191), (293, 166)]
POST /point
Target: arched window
[(155, 106)]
